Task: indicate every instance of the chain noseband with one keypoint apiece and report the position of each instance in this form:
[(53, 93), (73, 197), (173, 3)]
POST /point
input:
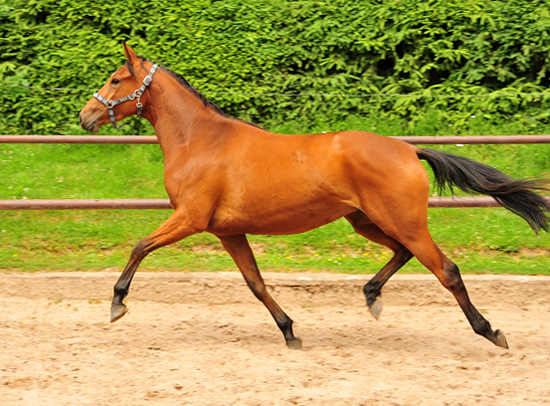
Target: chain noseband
[(136, 95)]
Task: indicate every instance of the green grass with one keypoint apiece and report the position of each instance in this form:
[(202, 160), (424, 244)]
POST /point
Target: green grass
[(478, 240)]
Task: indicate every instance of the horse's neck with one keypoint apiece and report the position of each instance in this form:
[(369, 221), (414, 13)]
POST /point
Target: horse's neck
[(181, 119)]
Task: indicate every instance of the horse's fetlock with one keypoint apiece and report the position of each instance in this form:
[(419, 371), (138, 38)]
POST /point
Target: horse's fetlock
[(120, 290), (285, 324), (483, 328), (371, 292)]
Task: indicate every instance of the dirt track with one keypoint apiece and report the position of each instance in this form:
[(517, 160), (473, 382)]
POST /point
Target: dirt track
[(203, 339)]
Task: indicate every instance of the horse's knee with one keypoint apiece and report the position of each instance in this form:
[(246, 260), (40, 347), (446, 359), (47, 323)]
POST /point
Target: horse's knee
[(141, 249), (258, 289)]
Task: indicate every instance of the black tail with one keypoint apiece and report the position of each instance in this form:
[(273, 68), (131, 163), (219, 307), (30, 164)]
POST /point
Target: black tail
[(516, 195)]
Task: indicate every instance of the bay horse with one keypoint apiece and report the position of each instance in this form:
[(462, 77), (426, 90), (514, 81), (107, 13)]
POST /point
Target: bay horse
[(231, 178)]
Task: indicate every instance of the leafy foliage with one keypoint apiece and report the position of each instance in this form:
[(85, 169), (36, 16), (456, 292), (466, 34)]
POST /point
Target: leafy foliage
[(231, 50)]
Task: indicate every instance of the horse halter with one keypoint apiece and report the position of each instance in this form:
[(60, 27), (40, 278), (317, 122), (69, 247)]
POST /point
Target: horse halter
[(136, 95)]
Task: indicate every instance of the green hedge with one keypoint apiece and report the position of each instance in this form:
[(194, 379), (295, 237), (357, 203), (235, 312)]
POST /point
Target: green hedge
[(418, 47)]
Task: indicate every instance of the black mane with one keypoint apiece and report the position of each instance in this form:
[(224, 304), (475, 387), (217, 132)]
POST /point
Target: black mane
[(189, 87), (181, 80)]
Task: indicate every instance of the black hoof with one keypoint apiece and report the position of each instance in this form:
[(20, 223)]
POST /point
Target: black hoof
[(294, 344), (117, 311), (376, 308), (500, 339)]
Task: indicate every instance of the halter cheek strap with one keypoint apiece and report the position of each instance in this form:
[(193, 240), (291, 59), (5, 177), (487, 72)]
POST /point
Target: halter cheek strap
[(136, 95)]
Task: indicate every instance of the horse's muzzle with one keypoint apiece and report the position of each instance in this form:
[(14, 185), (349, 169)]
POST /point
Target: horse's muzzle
[(89, 122)]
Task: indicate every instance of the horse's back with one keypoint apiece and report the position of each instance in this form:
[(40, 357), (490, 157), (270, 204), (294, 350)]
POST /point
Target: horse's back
[(364, 160)]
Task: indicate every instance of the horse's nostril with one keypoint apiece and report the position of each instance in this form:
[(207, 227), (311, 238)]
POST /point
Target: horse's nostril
[(80, 117)]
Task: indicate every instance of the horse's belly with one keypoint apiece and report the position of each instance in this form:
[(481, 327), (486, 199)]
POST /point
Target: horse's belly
[(276, 220)]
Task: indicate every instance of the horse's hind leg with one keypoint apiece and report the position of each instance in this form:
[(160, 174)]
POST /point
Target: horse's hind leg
[(240, 251), (449, 276), (173, 230), (365, 227), (425, 250)]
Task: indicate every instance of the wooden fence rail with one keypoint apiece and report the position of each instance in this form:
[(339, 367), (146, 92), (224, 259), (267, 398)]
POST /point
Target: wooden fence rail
[(151, 139)]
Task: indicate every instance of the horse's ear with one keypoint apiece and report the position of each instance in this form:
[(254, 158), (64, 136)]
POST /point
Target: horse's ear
[(129, 53)]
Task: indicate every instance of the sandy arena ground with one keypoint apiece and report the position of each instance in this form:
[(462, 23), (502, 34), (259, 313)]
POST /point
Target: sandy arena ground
[(203, 339)]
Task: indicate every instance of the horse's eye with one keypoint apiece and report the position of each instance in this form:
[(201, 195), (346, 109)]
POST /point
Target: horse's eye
[(115, 81)]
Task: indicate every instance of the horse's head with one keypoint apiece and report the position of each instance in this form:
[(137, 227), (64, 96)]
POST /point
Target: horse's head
[(123, 95)]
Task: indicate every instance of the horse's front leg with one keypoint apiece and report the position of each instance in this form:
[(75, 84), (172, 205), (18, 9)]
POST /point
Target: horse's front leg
[(174, 229), (240, 251)]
